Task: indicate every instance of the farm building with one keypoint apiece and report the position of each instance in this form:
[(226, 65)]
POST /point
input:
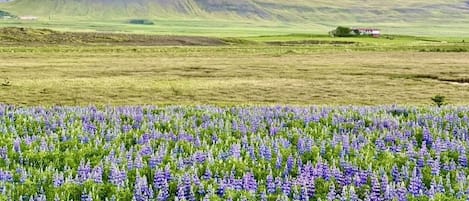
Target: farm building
[(367, 32), (5, 15), (351, 32), (28, 18)]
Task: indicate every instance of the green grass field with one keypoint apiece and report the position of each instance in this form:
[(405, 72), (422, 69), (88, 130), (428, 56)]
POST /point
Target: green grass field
[(230, 28), (244, 18), (287, 69)]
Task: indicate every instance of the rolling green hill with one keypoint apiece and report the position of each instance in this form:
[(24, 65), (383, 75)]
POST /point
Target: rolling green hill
[(399, 16)]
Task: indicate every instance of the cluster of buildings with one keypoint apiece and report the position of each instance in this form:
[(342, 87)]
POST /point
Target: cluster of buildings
[(351, 32), (26, 18), (367, 32)]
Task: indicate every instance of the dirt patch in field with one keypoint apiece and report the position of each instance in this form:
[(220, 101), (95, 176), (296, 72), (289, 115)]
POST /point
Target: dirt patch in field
[(464, 81), (14, 35), (454, 80), (310, 42)]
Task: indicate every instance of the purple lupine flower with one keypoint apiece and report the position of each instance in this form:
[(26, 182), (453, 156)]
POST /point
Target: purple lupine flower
[(159, 179), (427, 137), (196, 180), (142, 190), (146, 150), (380, 145), (401, 193), (340, 178), (388, 192), (207, 175), (435, 165), (236, 151), (266, 152), (271, 187), (343, 195), (462, 158), (363, 177), (420, 161), (263, 196), (415, 185), (431, 192), (84, 171), (181, 191), (23, 175), (117, 177), (296, 194), (279, 162), (310, 187), (200, 157), (237, 184), (189, 193), (167, 172), (86, 197), (138, 163), (6, 176), (201, 190), (249, 183), (58, 179), (384, 181), (4, 153), (286, 187), (331, 195), (304, 193), (163, 193), (17, 145), (446, 166), (97, 174), (439, 186), (221, 189), (40, 197), (155, 160), (290, 163), (130, 162), (252, 153), (375, 189), (357, 180)]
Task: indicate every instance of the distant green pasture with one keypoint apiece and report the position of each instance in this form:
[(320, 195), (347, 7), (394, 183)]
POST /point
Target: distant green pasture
[(230, 28)]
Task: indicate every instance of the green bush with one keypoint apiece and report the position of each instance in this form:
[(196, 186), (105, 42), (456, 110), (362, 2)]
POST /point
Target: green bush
[(439, 100), (141, 21), (342, 32), (5, 14)]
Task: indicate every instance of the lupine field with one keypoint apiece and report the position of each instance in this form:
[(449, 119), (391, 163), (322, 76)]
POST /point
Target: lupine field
[(234, 153)]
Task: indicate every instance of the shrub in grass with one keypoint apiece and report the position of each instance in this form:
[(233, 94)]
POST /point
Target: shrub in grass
[(141, 22), (439, 100)]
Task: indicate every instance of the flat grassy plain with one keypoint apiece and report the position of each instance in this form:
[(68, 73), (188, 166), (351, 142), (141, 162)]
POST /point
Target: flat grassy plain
[(288, 69), (240, 28), (244, 18)]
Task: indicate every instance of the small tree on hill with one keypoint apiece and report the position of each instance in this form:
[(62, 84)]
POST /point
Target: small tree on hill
[(342, 31), (439, 100)]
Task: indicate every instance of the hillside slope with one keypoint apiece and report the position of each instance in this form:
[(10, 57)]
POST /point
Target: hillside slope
[(295, 10), (397, 16)]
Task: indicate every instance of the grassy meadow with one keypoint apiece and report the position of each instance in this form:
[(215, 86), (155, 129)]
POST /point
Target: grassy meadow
[(236, 28), (286, 69), (234, 100), (244, 18)]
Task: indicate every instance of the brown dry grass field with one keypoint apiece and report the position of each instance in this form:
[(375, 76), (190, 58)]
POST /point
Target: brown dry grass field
[(111, 75)]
